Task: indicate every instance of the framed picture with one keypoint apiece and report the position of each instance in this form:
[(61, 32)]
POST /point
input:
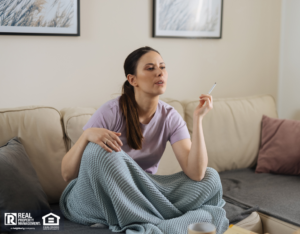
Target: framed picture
[(187, 18), (39, 17)]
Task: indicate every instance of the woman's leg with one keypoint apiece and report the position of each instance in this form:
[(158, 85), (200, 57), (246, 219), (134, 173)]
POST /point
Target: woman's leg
[(80, 201), (113, 190), (183, 192), (187, 194)]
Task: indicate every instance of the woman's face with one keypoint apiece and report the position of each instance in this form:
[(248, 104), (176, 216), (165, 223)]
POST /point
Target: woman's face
[(150, 69)]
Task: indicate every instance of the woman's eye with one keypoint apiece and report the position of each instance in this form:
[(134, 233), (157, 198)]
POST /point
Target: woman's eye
[(151, 68)]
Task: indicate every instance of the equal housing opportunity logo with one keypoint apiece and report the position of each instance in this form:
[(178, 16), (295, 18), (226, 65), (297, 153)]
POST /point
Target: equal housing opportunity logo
[(51, 222), (20, 220)]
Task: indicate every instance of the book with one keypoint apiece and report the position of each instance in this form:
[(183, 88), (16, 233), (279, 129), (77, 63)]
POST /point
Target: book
[(233, 229)]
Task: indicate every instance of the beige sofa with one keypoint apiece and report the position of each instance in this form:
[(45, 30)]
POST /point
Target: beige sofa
[(47, 134)]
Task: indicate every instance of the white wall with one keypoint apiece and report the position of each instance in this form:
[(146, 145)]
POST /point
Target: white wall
[(289, 78), (88, 70)]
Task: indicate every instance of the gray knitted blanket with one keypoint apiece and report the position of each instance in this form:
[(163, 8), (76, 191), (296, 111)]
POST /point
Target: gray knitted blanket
[(112, 189)]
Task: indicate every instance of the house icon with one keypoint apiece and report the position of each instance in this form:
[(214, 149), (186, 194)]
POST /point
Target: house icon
[(51, 219)]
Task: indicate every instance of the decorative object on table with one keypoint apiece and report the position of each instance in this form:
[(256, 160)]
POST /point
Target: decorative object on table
[(40, 17), (187, 19), (279, 151)]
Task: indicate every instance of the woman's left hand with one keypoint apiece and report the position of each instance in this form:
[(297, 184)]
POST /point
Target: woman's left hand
[(201, 110)]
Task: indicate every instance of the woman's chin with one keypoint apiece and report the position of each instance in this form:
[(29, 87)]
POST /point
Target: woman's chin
[(161, 92)]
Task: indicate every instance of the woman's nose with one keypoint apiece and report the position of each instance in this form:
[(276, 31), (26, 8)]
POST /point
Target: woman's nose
[(160, 72)]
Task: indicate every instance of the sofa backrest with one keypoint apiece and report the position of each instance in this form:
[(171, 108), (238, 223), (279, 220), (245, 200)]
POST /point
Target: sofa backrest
[(39, 129), (232, 129)]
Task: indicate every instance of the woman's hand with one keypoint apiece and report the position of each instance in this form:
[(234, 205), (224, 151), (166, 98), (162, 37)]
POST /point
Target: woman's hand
[(201, 110), (101, 136)]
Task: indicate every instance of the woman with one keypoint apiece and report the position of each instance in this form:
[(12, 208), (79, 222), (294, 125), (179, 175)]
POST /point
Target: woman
[(138, 124)]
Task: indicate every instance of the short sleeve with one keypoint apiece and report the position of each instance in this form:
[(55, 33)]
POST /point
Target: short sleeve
[(177, 127), (102, 118)]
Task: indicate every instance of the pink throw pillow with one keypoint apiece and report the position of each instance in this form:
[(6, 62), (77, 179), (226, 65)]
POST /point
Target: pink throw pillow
[(279, 151)]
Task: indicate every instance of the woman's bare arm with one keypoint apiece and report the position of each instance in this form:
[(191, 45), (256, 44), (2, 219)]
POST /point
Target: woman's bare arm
[(71, 161)]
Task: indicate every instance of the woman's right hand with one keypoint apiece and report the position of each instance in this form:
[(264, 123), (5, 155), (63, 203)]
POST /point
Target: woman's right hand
[(101, 135)]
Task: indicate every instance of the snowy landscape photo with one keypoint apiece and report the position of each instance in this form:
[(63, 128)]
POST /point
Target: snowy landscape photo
[(187, 18), (33, 17)]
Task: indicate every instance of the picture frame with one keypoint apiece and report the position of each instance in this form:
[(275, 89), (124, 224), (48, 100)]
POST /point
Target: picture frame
[(187, 19), (40, 17)]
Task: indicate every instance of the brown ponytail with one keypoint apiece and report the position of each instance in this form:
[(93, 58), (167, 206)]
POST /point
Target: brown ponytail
[(127, 100)]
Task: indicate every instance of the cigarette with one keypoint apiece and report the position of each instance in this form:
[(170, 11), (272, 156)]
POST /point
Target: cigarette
[(210, 91), (212, 88)]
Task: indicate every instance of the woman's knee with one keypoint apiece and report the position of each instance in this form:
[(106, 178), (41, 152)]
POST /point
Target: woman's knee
[(213, 176), (94, 154)]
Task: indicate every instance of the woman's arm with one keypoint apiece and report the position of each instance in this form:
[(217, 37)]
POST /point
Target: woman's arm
[(197, 159), (71, 161)]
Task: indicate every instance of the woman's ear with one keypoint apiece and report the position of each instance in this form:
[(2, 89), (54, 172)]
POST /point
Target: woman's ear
[(132, 80)]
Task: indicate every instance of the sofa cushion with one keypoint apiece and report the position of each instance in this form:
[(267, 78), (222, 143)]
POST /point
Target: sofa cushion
[(40, 130), (275, 195), (74, 119), (20, 189), (232, 129), (279, 151)]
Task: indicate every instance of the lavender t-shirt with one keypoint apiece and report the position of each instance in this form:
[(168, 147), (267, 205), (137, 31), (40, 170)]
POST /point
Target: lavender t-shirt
[(166, 125)]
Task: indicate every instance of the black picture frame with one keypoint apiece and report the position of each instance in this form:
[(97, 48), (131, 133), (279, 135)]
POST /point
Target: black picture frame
[(188, 34), (75, 33)]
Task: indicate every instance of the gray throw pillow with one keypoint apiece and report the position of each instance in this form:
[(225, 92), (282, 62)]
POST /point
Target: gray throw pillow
[(20, 189)]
